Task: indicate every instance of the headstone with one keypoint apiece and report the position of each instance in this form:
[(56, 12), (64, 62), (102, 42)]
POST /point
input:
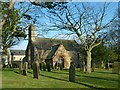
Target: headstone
[(48, 66), (25, 67), (44, 66), (72, 72), (35, 69), (61, 66), (21, 68), (116, 67), (93, 67), (40, 66)]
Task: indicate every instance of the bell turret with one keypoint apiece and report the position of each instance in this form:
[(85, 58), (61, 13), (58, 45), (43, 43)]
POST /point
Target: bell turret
[(32, 34)]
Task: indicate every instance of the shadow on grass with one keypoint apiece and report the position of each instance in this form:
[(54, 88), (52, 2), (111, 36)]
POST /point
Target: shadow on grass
[(7, 69), (106, 72), (108, 79), (89, 86), (60, 72), (12, 69), (29, 72), (93, 77), (16, 72)]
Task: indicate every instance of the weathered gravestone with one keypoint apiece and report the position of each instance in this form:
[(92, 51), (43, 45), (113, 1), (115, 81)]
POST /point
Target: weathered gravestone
[(44, 66), (21, 68), (61, 66), (83, 67), (72, 72), (48, 66), (35, 69), (40, 65), (25, 67), (116, 67)]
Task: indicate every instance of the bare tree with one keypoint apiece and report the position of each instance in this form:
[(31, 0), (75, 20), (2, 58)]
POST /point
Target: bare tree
[(84, 21), (3, 19), (11, 29), (113, 35)]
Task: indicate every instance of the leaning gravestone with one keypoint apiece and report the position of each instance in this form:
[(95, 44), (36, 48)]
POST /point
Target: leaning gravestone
[(72, 72), (25, 67), (35, 69)]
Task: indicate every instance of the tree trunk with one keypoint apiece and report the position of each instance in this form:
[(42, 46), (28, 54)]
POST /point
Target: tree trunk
[(11, 5), (9, 58), (88, 61)]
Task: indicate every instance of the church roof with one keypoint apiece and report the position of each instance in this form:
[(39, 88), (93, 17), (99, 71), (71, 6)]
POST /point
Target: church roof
[(48, 43), (52, 52), (17, 52)]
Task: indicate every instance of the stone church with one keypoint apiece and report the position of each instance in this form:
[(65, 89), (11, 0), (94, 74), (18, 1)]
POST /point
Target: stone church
[(51, 50)]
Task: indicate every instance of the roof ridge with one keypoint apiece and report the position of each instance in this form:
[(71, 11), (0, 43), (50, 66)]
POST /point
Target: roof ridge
[(54, 39), (17, 50)]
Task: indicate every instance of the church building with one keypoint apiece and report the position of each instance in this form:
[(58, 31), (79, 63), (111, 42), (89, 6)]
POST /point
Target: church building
[(51, 50)]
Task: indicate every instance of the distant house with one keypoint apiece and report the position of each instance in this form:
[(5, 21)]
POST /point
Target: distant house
[(53, 50), (17, 56)]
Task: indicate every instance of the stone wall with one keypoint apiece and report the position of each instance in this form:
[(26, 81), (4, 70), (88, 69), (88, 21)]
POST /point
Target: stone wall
[(62, 53)]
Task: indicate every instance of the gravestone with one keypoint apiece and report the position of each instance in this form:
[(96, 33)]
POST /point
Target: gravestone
[(40, 65), (72, 72), (83, 66), (25, 67), (48, 66), (21, 68), (116, 67), (35, 69), (61, 66), (44, 66)]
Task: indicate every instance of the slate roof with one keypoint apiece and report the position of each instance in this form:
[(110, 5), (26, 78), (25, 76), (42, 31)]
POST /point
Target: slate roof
[(17, 52), (47, 43), (52, 52)]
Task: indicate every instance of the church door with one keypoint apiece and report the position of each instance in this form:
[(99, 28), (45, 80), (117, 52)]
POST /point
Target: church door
[(62, 62)]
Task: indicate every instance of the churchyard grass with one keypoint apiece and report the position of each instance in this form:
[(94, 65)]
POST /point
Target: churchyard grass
[(60, 79)]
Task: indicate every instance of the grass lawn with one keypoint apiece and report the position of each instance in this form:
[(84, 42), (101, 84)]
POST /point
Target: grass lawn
[(59, 79)]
